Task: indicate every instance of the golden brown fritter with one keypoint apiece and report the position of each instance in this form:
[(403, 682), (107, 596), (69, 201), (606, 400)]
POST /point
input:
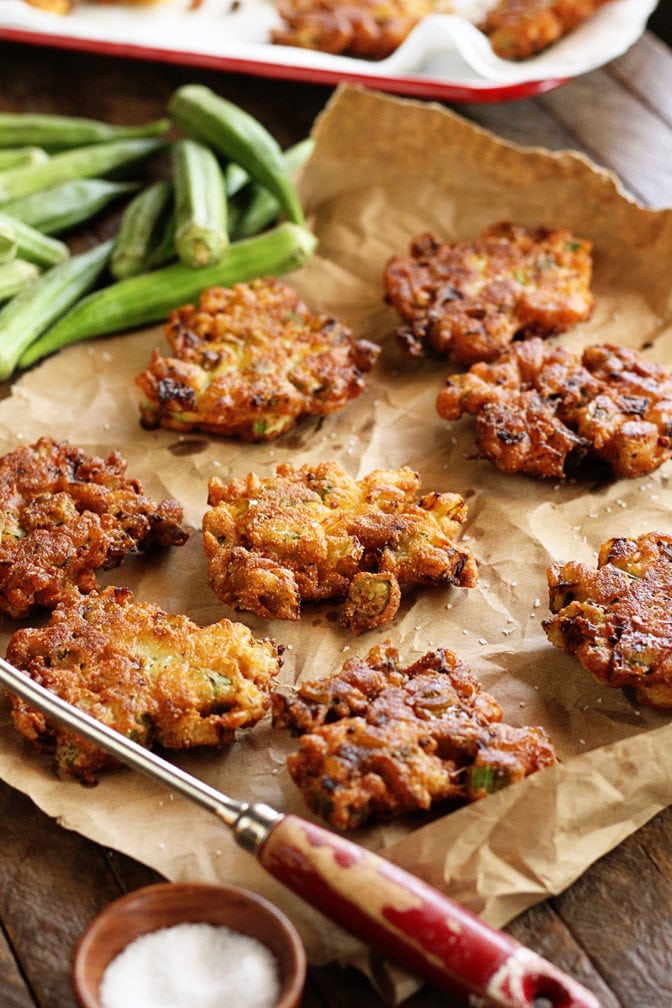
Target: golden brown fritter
[(250, 361), (518, 29), (617, 618), (64, 515), (314, 533), (469, 299), (541, 409), (379, 740), (157, 678), (368, 29)]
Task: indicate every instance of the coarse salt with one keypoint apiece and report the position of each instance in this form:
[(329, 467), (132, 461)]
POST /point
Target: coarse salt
[(191, 965)]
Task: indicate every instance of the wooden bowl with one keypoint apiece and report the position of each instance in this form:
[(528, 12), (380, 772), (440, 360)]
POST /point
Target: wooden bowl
[(168, 903)]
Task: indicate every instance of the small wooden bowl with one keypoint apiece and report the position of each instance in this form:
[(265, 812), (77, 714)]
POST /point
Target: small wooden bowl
[(168, 903)]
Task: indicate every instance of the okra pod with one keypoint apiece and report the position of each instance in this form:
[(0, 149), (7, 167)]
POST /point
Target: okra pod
[(61, 132), (12, 157), (8, 243), (36, 308), (201, 238), (235, 178), (164, 251), (14, 276), (139, 230), (150, 297), (82, 162), (255, 206), (239, 137), (61, 207), (32, 245)]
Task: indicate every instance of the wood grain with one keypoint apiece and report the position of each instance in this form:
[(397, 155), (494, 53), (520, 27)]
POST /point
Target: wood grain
[(612, 929)]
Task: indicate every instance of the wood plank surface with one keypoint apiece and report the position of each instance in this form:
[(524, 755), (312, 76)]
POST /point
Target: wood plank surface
[(612, 929)]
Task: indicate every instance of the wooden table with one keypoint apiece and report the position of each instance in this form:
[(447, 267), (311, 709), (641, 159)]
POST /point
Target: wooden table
[(613, 928)]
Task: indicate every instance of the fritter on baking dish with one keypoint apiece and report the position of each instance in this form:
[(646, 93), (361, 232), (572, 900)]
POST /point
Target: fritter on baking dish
[(379, 740), (541, 409), (64, 515), (157, 678), (518, 29), (470, 299), (617, 618), (314, 533), (368, 29), (250, 361)]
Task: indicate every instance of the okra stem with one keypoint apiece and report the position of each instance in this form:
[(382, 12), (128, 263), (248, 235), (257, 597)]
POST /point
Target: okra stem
[(59, 132), (36, 308), (150, 297), (239, 137), (82, 162)]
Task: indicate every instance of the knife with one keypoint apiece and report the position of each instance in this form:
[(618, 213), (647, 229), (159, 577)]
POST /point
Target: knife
[(391, 910)]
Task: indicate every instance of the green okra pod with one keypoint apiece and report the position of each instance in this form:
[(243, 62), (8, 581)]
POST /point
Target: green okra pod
[(201, 237), (254, 207), (37, 307), (235, 178), (164, 250), (12, 157), (150, 297), (8, 242), (31, 244), (141, 225), (61, 132), (236, 135), (82, 162), (14, 276), (60, 207)]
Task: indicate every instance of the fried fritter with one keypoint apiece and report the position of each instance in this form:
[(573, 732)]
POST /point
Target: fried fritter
[(617, 618), (157, 678), (64, 515), (250, 361), (469, 299), (518, 29), (378, 740), (367, 29), (541, 409), (314, 533)]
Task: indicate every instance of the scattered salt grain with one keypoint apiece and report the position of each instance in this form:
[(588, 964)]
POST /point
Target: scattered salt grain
[(193, 965)]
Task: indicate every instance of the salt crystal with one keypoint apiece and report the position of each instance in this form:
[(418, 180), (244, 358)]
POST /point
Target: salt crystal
[(193, 965)]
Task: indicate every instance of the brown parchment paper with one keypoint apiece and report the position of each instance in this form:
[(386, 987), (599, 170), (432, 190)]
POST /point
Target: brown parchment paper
[(383, 170)]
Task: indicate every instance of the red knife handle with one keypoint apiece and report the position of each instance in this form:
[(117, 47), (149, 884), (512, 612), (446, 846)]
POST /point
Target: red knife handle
[(412, 923)]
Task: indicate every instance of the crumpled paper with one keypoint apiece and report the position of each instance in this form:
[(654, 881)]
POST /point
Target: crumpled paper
[(384, 170)]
